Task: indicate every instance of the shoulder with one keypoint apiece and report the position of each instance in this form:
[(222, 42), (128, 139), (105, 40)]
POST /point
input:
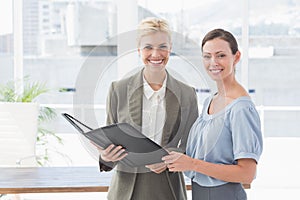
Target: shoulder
[(184, 93), (243, 107), (121, 84), (176, 84), (242, 102)]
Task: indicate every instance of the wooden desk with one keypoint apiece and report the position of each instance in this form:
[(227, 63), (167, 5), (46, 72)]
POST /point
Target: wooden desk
[(55, 180)]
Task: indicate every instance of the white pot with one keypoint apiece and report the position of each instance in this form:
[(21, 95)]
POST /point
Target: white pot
[(18, 133)]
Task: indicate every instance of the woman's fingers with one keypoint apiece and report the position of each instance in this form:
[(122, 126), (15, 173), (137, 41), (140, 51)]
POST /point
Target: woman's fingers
[(172, 157), (157, 167), (115, 150), (112, 153), (122, 156), (108, 149), (117, 154), (171, 168)]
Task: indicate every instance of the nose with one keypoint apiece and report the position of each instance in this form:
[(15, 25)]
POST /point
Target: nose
[(155, 52), (213, 60)]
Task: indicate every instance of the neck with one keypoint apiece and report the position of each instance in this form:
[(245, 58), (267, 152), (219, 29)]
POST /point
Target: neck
[(154, 79), (226, 86)]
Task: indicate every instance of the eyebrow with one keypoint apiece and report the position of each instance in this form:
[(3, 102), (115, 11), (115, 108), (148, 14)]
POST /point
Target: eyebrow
[(215, 52), (158, 45)]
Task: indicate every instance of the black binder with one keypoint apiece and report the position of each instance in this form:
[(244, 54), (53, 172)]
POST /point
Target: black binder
[(141, 149)]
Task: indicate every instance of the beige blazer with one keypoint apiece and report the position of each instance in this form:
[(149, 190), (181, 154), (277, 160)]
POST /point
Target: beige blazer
[(124, 104)]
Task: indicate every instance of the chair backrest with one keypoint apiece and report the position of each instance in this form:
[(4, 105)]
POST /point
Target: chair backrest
[(18, 132)]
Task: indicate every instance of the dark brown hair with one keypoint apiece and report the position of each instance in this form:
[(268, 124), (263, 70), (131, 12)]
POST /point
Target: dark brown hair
[(224, 35)]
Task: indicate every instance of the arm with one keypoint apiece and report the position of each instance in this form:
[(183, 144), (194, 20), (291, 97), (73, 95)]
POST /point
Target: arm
[(109, 156), (243, 172)]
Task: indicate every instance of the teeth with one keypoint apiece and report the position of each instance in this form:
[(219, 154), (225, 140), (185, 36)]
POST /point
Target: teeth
[(215, 70), (156, 61)]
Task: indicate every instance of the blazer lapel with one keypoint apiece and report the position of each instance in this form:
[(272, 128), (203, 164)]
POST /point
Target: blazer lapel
[(135, 100), (172, 111)]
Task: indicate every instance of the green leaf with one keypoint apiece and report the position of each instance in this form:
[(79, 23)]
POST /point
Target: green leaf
[(31, 91)]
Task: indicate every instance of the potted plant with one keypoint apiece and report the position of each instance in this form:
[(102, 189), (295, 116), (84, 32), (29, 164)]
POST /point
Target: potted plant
[(31, 91)]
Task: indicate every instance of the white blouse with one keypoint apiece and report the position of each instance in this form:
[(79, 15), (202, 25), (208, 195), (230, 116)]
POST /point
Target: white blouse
[(154, 112)]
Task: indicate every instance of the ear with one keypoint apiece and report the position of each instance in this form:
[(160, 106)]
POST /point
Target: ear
[(237, 57)]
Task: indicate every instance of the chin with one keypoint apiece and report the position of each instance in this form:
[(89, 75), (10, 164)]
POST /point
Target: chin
[(215, 78), (156, 68)]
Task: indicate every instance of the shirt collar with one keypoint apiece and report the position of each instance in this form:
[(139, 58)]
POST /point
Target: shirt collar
[(149, 92)]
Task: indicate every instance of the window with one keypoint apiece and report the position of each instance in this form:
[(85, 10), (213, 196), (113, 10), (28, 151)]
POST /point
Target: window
[(6, 41), (273, 66), (55, 53)]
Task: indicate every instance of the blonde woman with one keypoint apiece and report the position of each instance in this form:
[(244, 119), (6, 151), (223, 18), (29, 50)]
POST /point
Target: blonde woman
[(162, 107)]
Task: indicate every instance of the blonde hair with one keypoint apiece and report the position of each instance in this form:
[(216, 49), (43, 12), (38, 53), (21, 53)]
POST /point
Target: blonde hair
[(152, 25)]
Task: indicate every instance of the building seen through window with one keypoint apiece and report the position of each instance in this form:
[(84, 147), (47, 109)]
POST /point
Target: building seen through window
[(59, 35)]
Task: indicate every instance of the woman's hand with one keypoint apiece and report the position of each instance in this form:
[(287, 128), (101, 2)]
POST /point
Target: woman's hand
[(157, 167), (178, 162), (112, 153)]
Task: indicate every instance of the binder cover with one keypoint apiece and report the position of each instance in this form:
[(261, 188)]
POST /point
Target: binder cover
[(141, 149)]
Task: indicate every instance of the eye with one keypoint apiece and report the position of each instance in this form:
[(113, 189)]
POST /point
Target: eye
[(163, 47), (206, 57), (148, 47), (221, 55)]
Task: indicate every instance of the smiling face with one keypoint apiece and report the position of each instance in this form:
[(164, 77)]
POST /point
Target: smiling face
[(218, 59), (155, 50)]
